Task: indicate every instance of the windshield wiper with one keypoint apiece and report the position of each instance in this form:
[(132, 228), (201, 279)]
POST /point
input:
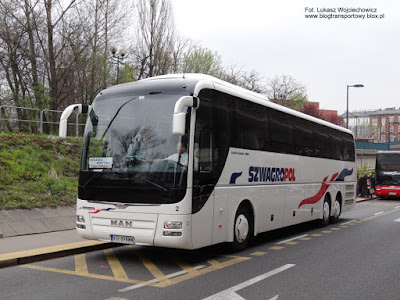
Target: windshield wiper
[(157, 185), (116, 114), (95, 176)]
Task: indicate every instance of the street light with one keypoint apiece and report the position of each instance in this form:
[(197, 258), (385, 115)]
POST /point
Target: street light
[(347, 110), (117, 58)]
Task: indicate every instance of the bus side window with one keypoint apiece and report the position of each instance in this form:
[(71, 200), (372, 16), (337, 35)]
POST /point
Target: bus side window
[(203, 137), (281, 132), (335, 145), (252, 126), (348, 147), (223, 128), (321, 141), (303, 137), (204, 154)]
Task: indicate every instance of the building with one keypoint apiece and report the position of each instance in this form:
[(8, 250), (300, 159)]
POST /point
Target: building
[(387, 123), (379, 126)]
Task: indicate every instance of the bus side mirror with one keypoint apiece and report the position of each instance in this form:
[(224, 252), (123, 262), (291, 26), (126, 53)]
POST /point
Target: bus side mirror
[(178, 124), (79, 108), (179, 119)]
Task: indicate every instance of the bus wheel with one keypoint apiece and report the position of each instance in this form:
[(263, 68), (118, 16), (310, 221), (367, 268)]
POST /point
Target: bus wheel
[(241, 229), (336, 211), (326, 211)]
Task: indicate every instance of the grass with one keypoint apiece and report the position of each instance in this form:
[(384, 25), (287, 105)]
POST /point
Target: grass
[(38, 171)]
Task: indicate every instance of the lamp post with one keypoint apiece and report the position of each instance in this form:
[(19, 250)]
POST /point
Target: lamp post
[(117, 58), (347, 109)]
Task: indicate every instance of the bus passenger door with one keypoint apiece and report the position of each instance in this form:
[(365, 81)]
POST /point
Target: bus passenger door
[(203, 178)]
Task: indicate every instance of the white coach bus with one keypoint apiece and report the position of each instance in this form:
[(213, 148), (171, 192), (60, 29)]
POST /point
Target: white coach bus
[(188, 161)]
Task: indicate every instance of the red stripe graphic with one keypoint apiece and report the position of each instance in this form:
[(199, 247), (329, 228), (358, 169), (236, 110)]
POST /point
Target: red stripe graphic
[(321, 192)]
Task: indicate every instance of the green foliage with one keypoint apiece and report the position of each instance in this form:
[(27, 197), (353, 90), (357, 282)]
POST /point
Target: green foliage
[(38, 171), (365, 170), (202, 60), (298, 100), (127, 74)]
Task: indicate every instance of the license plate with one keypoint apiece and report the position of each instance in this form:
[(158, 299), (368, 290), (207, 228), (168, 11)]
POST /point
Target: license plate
[(392, 193), (123, 239)]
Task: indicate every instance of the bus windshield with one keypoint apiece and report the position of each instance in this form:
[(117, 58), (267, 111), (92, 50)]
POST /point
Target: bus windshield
[(388, 168), (128, 145)]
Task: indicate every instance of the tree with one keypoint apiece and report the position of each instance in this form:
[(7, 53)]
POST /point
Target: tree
[(285, 89), (333, 118), (204, 61), (154, 38), (311, 110), (252, 81)]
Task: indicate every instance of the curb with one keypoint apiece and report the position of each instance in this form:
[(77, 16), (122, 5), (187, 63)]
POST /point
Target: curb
[(23, 257), (366, 199)]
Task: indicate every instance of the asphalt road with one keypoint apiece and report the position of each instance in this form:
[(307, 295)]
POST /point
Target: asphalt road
[(356, 258)]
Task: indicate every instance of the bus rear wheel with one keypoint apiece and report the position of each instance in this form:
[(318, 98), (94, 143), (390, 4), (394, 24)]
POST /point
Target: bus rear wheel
[(336, 211), (242, 229), (326, 212)]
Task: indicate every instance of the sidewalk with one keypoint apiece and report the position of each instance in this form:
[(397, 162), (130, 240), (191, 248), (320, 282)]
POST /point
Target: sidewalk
[(38, 220), (25, 249), (32, 235)]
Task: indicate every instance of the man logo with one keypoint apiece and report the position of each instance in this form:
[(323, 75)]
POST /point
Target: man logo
[(121, 223)]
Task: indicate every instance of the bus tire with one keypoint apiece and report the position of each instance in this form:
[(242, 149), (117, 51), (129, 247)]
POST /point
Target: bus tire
[(326, 212), (336, 210), (242, 229)]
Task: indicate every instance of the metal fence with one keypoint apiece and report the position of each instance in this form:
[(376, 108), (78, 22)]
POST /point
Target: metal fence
[(34, 120)]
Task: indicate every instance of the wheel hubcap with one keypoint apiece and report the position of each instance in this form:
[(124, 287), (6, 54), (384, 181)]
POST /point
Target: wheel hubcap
[(337, 209), (326, 211), (241, 228)]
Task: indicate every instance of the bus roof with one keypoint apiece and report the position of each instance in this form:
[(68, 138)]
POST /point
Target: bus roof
[(193, 83)]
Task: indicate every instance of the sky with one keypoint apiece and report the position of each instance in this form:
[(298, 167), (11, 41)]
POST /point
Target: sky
[(326, 54)]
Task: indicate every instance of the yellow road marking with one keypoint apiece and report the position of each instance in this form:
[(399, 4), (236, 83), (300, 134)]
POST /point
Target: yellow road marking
[(160, 279), (90, 275), (258, 253), (115, 265), (185, 266), (117, 298), (212, 262), (153, 269), (187, 276), (316, 234), (276, 248), (291, 243), (80, 264)]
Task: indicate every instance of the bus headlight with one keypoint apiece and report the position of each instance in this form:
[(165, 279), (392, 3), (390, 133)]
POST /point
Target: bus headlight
[(172, 225), (80, 219)]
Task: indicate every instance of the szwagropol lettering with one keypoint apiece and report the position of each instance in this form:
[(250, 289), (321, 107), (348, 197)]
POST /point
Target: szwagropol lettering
[(271, 174)]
